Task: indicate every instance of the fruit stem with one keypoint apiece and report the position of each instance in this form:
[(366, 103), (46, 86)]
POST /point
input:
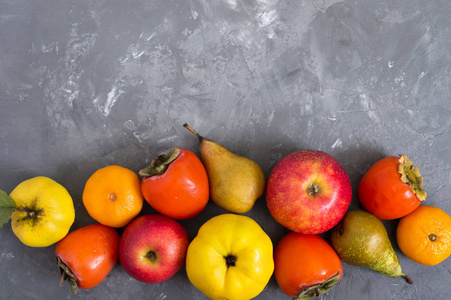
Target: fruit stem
[(313, 189), (230, 260), (151, 256), (193, 131), (407, 278), (31, 213), (340, 229)]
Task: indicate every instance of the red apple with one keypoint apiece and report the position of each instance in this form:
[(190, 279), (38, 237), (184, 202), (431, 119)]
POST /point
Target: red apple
[(153, 248), (308, 191)]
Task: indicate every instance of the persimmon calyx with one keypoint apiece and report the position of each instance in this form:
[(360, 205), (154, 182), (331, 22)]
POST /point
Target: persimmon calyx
[(66, 274), (160, 164), (411, 175), (318, 289)]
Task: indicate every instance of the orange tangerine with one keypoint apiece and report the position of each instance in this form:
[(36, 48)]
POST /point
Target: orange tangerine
[(112, 196), (424, 235)]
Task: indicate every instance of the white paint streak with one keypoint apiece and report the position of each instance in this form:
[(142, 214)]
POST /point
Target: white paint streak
[(267, 17), (7, 255), (399, 79), (135, 51), (373, 116), (130, 125), (194, 14), (422, 75), (266, 12), (337, 144), (365, 101), (232, 3), (162, 296), (112, 97)]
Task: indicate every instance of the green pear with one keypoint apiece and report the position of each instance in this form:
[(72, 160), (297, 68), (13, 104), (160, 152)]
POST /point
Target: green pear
[(361, 239), (236, 182)]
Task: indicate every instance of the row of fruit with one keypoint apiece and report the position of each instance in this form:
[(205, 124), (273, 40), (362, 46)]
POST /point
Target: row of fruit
[(232, 257)]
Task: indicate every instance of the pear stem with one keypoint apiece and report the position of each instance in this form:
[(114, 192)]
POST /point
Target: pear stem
[(407, 278), (193, 131)]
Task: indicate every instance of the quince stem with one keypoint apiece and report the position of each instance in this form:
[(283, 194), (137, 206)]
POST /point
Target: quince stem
[(31, 213)]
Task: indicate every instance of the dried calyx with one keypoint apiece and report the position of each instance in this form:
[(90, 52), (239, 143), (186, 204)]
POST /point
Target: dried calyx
[(411, 176), (66, 274), (319, 289), (160, 164)]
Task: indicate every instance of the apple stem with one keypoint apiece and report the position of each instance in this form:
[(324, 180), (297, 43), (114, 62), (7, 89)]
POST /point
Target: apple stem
[(30, 212), (151, 256), (193, 131), (313, 189)]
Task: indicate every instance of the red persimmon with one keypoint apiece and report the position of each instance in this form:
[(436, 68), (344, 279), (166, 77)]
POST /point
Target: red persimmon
[(391, 188), (306, 266), (176, 184), (87, 255)]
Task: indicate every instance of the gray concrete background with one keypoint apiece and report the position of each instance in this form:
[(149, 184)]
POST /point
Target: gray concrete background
[(85, 84)]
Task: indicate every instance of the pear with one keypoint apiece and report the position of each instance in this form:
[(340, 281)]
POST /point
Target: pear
[(236, 182), (361, 239)]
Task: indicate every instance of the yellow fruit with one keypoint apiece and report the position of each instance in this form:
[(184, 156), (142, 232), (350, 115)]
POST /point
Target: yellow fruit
[(230, 258), (45, 212)]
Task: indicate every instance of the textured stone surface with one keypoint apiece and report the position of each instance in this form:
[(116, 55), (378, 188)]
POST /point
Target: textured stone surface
[(85, 84)]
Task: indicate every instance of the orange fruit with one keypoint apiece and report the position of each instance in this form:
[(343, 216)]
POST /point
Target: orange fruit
[(424, 235), (112, 196)]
